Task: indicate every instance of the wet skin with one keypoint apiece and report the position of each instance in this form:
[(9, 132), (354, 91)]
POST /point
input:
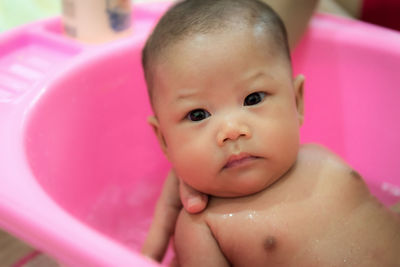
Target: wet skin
[(320, 213)]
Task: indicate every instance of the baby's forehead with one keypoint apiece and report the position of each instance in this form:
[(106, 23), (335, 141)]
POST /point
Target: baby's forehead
[(205, 60), (208, 47), (219, 40)]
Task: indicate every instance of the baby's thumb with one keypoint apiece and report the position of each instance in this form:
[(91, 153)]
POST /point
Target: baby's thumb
[(193, 201)]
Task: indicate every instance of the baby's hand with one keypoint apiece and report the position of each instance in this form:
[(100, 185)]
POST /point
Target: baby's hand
[(166, 213)]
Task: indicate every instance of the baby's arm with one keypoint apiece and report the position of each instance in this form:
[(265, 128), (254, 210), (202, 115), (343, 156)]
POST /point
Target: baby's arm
[(195, 244)]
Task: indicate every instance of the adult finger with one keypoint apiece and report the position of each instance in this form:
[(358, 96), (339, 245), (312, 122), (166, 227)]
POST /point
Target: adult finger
[(396, 208), (193, 201)]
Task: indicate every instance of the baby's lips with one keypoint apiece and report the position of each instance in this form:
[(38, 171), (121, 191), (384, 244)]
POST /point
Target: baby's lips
[(236, 158)]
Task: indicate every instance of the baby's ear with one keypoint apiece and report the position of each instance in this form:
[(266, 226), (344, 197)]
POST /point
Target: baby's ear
[(298, 84), (152, 120)]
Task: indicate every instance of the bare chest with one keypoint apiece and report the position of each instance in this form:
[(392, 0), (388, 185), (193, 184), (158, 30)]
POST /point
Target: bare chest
[(254, 237), (314, 216), (308, 232)]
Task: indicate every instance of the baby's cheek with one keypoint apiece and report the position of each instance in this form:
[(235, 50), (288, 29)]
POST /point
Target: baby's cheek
[(193, 161), (194, 155), (280, 141), (185, 154)]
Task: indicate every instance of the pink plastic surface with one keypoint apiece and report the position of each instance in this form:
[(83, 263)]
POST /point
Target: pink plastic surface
[(80, 169)]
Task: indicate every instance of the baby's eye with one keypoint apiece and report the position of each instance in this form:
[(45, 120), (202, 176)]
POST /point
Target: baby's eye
[(254, 98), (198, 115)]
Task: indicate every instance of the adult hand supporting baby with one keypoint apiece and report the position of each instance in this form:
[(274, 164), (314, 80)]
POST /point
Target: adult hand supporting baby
[(166, 213), (396, 208), (193, 201)]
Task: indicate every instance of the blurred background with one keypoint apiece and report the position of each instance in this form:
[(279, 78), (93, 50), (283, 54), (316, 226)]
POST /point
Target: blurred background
[(16, 12)]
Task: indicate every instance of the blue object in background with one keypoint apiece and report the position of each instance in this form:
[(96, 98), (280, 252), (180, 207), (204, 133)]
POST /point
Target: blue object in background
[(119, 19)]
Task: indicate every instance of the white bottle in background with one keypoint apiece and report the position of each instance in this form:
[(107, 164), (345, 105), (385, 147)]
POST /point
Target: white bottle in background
[(96, 21)]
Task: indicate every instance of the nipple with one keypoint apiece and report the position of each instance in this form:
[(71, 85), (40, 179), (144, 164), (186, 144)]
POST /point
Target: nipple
[(270, 243)]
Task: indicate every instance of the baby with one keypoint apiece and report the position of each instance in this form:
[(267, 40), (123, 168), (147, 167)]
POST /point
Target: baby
[(227, 116)]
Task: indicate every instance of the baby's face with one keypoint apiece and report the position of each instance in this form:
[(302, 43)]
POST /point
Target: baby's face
[(227, 113)]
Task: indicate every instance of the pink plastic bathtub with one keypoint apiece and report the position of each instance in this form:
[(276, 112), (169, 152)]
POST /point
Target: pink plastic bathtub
[(80, 169)]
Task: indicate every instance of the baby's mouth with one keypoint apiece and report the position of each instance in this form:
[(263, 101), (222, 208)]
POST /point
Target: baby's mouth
[(239, 160)]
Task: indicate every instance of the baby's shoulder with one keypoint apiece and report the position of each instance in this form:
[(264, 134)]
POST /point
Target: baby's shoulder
[(329, 169), (322, 159)]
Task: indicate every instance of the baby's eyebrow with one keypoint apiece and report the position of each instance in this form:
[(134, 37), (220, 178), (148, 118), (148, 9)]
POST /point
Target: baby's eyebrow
[(185, 94), (257, 75)]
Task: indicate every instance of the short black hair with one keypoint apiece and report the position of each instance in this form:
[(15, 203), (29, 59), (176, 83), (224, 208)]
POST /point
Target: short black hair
[(190, 17)]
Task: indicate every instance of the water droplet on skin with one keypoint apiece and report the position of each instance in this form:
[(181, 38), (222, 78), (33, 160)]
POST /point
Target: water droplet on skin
[(251, 215), (226, 216)]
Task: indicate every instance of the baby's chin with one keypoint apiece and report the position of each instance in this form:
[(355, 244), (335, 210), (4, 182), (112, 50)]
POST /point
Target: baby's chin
[(241, 191)]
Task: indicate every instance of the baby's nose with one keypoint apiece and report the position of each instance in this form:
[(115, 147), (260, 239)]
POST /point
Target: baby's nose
[(231, 131)]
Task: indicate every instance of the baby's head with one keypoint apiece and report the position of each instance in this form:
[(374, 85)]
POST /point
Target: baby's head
[(227, 110)]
